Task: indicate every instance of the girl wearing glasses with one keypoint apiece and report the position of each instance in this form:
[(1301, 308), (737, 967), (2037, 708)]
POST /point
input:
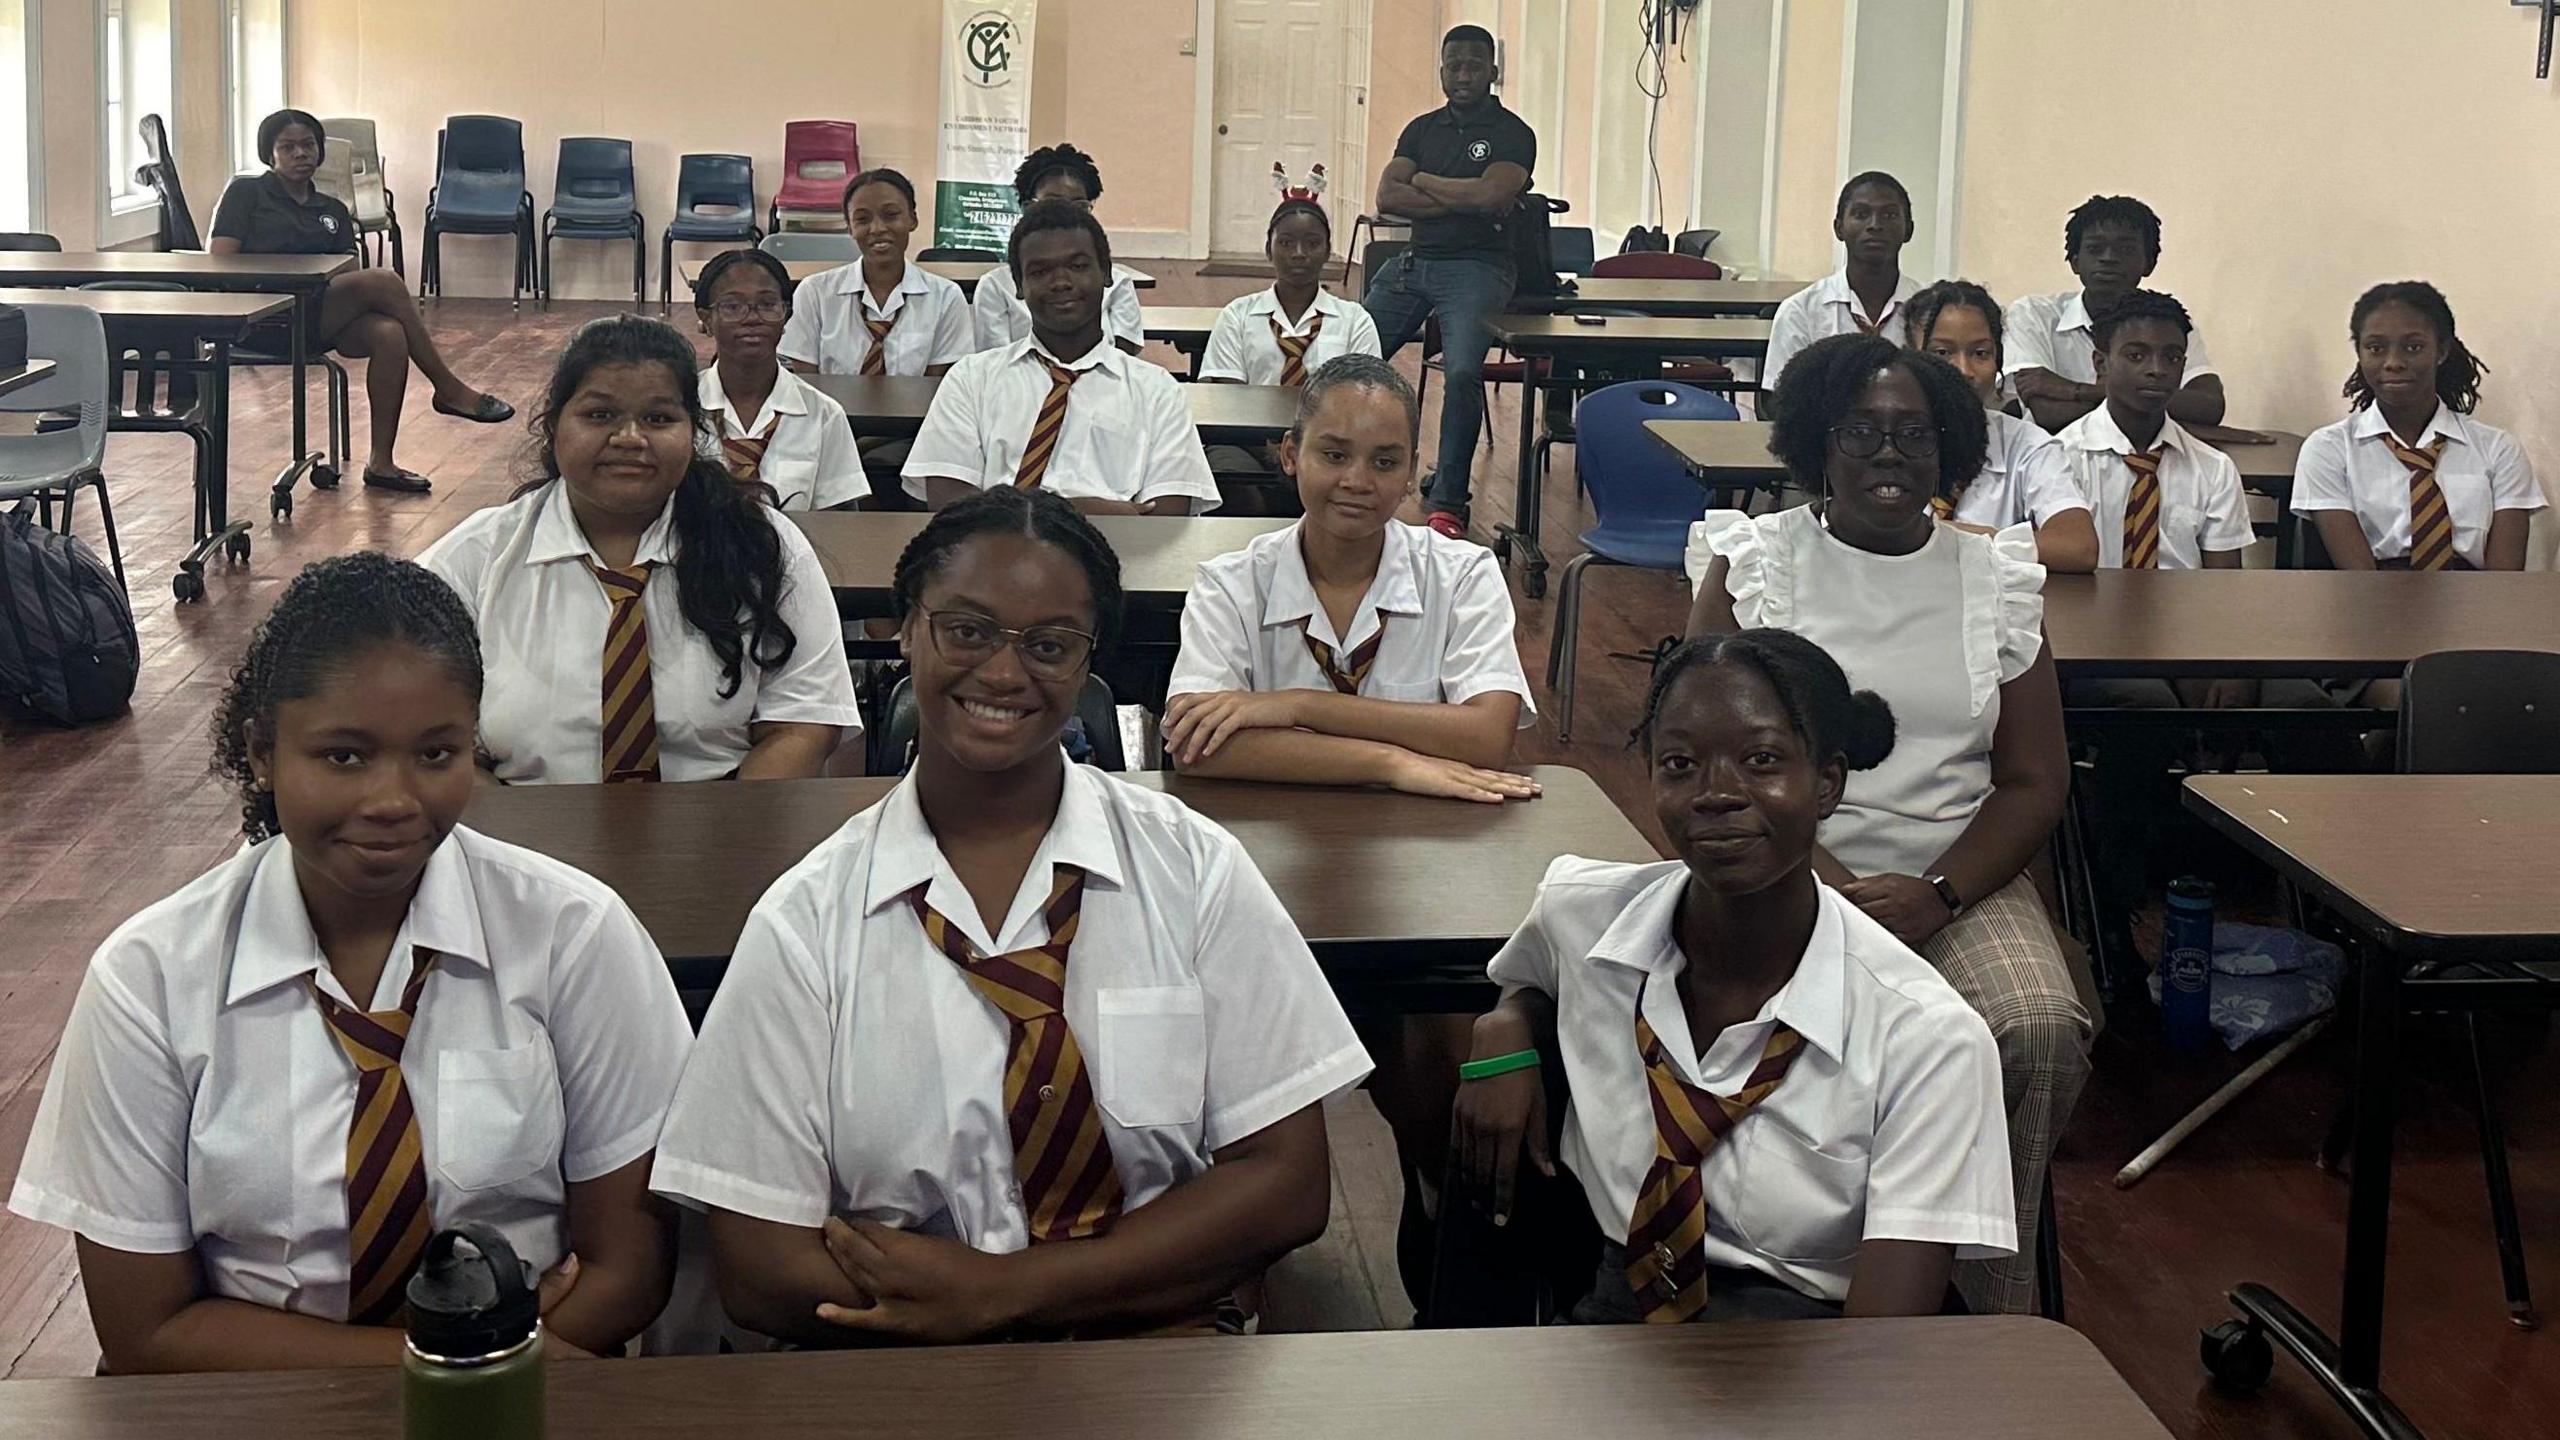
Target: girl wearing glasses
[(1017, 1002), (643, 616), (769, 425), (1948, 626)]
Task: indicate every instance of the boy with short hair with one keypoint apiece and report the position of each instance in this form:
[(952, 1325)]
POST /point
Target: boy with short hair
[(1872, 221), (2161, 498), (2113, 244)]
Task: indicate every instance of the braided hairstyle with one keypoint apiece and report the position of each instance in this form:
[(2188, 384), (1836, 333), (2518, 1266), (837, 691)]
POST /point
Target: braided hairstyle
[(1059, 159), (334, 611), (2118, 210), (1038, 514), (1920, 313), (729, 575), (1811, 687), (1825, 379), (2458, 374)]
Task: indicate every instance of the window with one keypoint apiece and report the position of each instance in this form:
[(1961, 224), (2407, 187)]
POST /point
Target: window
[(253, 66), (138, 55), (18, 199)]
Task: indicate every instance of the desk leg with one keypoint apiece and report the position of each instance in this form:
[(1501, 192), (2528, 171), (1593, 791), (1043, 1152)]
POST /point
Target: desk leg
[(213, 495), (1522, 532), (306, 312)]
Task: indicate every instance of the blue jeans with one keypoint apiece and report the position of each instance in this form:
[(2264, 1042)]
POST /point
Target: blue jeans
[(1466, 292)]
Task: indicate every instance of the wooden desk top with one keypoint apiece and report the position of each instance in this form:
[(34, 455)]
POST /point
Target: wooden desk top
[(214, 314), (1353, 867), (206, 272), (1224, 414), (1159, 557), (1974, 1378), (964, 273), (1741, 448), (2429, 863), (2309, 623), (34, 372), (1672, 297), (1178, 323), (1712, 335)]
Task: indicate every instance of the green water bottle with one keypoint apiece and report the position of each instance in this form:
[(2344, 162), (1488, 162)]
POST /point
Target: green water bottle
[(474, 1367)]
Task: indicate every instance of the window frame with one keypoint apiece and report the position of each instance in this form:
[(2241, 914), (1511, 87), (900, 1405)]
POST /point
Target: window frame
[(31, 28), (127, 218), (240, 127)]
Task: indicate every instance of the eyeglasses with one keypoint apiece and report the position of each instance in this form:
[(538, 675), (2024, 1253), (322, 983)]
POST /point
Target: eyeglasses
[(1049, 652), (1860, 441), (759, 309)]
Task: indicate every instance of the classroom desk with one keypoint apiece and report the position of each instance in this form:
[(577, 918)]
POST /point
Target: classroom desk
[(1225, 414), (1184, 327), (2267, 624), (175, 323), (1685, 299), (1159, 556), (964, 273), (35, 372), (1403, 898), (2432, 868), (1734, 454)]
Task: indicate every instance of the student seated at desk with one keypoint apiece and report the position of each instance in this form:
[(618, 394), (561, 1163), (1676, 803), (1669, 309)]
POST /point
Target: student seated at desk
[(1803, 1119), (2113, 244), (1282, 335), (1056, 172), (1352, 648), (731, 666), (2024, 480), (880, 315), (1059, 409), (1017, 1002), (1868, 294), (2161, 498), (2410, 481), (367, 1023), (798, 444)]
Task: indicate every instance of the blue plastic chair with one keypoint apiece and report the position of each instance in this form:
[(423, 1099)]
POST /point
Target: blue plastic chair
[(1643, 497), (715, 204), (479, 190), (595, 197)]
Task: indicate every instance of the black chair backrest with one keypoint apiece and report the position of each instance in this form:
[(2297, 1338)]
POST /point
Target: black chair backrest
[(29, 240), (960, 252), (160, 171), (2481, 712)]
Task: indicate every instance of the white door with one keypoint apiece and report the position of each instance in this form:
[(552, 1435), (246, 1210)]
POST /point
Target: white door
[(1277, 99)]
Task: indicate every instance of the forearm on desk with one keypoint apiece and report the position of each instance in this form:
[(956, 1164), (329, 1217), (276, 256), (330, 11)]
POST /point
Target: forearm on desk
[(1300, 757), (1478, 731)]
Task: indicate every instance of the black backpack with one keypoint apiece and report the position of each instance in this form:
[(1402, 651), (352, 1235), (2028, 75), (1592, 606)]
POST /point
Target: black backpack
[(67, 647), (1533, 249), (1644, 239)]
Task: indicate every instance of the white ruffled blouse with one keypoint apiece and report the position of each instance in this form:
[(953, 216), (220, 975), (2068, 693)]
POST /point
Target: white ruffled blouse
[(1936, 632)]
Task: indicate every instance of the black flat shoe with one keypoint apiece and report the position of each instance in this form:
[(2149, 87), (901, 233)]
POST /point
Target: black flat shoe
[(405, 482), (490, 411)]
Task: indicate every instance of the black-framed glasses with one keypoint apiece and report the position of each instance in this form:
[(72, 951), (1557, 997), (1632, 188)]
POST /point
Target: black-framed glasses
[(1051, 652), (759, 309), (1859, 440)]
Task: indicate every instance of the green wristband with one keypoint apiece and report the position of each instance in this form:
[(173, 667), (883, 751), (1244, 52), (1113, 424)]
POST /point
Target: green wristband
[(1498, 1065)]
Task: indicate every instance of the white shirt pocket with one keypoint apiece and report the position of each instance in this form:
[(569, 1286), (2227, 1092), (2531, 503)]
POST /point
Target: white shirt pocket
[(1795, 1203), (793, 481), (1153, 1054), (498, 1114)]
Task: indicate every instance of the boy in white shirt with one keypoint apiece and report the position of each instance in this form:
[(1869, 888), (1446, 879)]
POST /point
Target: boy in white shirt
[(2161, 498), (1872, 221), (1056, 172), (2113, 245), (769, 426)]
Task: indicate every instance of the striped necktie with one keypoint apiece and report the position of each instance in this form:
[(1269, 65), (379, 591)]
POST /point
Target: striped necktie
[(1667, 1235), (1348, 677), (387, 1221), (1941, 508), (2430, 523), (1070, 1188), (744, 454), (875, 361), (1293, 349), (630, 708), (1043, 444), (2142, 510)]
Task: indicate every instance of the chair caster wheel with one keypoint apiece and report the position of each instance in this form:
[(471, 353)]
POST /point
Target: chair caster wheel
[(186, 587), (237, 547), (1534, 584), (1502, 548), (2524, 1317), (2237, 1355), (280, 505), (324, 477)]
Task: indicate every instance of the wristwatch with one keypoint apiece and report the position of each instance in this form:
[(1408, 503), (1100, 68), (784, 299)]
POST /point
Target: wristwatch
[(1947, 892)]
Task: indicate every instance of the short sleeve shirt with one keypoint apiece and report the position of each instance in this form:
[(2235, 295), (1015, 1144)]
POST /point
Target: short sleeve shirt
[(256, 211), (1442, 143)]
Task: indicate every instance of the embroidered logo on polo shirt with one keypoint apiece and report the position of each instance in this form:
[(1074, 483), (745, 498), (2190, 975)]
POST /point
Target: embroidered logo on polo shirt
[(329, 223), (1479, 149)]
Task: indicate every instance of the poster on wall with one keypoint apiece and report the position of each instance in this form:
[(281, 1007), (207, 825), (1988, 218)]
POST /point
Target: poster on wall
[(986, 119)]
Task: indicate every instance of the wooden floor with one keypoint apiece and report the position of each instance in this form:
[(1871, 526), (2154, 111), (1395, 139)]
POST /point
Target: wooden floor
[(95, 824)]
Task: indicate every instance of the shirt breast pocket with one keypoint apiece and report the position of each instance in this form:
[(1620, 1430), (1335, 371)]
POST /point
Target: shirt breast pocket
[(1153, 1051), (793, 481), (1795, 1202), (2186, 521), (1109, 458), (498, 1114)]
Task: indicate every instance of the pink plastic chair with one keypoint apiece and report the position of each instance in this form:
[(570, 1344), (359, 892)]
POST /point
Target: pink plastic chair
[(818, 156), (1656, 265)]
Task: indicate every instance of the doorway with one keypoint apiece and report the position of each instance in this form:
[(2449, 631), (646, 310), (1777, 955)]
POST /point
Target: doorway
[(1285, 86)]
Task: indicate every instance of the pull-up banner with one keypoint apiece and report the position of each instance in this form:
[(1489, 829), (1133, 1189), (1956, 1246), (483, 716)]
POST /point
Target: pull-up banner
[(986, 119)]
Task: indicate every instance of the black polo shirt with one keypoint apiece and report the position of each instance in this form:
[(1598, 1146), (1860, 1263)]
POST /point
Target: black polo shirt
[(256, 211), (1441, 143)]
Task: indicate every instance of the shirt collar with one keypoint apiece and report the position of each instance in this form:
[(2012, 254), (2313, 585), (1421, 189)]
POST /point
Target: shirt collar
[(556, 535), (443, 917), (911, 283), (1812, 1002), (790, 396), (1103, 356), (2073, 311), (275, 186), (1394, 589), (1485, 114), (905, 855), (2367, 423), (1834, 289), (1266, 303), (2098, 430)]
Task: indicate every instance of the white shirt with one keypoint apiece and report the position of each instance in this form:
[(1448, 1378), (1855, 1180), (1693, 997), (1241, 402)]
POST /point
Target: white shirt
[(1001, 318), (1128, 433), (2024, 479), (522, 569), (2349, 466), (1826, 308), (2201, 507), (2052, 332), (811, 461), (1447, 614), (1242, 347), (200, 1101), (849, 1068), (931, 325), (1888, 1126), (1936, 632)]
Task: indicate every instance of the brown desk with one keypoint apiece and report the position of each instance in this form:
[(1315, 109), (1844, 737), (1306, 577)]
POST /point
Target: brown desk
[(1988, 1378), (1159, 556), (2260, 624), (1735, 453), (1184, 327), (1225, 414), (1669, 298), (35, 372), (964, 273)]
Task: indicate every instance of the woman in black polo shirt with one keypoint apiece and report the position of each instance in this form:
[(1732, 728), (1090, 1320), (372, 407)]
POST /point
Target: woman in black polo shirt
[(367, 314)]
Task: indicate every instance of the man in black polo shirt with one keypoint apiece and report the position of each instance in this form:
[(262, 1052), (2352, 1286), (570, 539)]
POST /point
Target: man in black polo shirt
[(1457, 173)]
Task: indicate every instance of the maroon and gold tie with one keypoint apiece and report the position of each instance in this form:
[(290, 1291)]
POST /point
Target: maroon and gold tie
[(1043, 445), (875, 361), (2142, 511), (387, 1220), (1293, 349), (2430, 523), (1348, 674), (1070, 1188), (1667, 1235), (630, 707), (1941, 508), (745, 453)]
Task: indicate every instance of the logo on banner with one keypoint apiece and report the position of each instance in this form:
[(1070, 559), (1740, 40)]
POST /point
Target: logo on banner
[(1479, 149), (986, 49)]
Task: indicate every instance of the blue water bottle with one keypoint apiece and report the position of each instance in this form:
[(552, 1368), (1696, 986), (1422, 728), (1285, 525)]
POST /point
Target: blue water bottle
[(2186, 965)]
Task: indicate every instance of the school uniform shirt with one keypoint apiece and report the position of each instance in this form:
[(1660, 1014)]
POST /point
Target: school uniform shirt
[(1936, 632), (200, 1100), (1001, 318), (2052, 332), (1243, 348), (850, 1068), (2024, 479), (1445, 611), (930, 322), (810, 459), (522, 568), (2349, 466), (2201, 507), (1128, 432), (1826, 308), (263, 216), (1888, 1126)]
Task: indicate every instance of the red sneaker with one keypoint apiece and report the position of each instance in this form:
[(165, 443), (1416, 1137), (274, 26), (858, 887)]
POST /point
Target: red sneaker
[(1449, 523)]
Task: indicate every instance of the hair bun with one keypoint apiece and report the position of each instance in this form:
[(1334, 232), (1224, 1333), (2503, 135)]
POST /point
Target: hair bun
[(1870, 737)]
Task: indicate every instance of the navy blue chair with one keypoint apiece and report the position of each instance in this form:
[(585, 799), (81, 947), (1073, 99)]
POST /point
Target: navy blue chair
[(595, 197), (1643, 497), (715, 204), (480, 190), (1575, 249)]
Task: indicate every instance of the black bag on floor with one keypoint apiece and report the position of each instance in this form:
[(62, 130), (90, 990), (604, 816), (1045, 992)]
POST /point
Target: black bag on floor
[(1533, 249), (67, 647)]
